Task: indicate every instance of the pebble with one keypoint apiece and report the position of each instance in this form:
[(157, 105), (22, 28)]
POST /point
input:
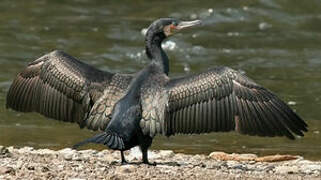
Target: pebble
[(5, 170), (28, 163), (25, 149), (309, 169), (68, 154), (88, 151), (110, 158), (286, 169), (166, 153), (3, 150), (45, 151), (125, 169)]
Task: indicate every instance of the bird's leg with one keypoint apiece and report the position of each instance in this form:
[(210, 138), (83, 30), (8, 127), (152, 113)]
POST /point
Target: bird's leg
[(123, 160), (144, 148), (145, 157), (144, 144)]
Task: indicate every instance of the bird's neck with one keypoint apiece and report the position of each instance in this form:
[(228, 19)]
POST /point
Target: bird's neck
[(155, 52)]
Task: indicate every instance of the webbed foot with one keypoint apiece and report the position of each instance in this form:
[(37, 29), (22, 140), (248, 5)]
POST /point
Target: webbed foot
[(149, 163), (124, 162)]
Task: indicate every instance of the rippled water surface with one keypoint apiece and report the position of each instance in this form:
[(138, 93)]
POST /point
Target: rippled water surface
[(277, 43)]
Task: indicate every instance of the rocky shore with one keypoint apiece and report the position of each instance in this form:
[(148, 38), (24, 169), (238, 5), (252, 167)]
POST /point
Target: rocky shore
[(29, 163)]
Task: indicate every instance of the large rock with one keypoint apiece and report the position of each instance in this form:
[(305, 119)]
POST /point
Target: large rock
[(250, 157), (276, 158), (232, 157)]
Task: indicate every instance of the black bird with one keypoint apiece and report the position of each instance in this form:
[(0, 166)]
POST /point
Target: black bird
[(130, 109)]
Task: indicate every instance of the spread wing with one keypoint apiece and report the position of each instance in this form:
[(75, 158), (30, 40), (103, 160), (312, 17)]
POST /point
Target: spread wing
[(224, 100), (100, 114), (63, 88)]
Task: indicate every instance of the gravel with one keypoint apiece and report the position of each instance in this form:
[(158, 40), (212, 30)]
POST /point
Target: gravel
[(30, 163)]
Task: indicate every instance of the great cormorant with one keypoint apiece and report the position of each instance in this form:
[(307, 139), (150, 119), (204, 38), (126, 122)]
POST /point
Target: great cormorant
[(130, 109)]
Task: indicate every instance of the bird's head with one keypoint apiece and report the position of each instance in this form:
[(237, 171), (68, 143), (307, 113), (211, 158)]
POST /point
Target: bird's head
[(160, 30), (169, 26)]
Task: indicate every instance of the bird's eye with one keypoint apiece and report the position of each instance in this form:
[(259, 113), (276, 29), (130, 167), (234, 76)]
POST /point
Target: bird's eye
[(174, 23)]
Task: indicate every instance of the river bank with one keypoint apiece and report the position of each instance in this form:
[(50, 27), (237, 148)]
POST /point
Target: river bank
[(30, 163)]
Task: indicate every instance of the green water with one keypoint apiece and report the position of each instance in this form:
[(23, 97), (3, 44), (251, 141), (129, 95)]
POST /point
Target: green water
[(277, 43)]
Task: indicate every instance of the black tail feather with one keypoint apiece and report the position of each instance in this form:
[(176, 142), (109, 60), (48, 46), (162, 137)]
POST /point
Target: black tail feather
[(110, 140)]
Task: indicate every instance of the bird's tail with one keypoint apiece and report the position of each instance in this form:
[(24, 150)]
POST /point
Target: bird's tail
[(109, 139)]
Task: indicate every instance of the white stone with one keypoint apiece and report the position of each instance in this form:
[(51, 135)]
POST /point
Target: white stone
[(67, 153), (26, 149), (134, 154), (166, 153), (45, 151), (313, 167), (68, 156)]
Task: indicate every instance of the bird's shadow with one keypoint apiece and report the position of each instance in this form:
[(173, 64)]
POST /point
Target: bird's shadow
[(172, 164)]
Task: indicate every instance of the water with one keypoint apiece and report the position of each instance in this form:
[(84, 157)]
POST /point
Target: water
[(277, 43)]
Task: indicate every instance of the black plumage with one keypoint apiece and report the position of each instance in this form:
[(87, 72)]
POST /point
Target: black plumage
[(130, 109)]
